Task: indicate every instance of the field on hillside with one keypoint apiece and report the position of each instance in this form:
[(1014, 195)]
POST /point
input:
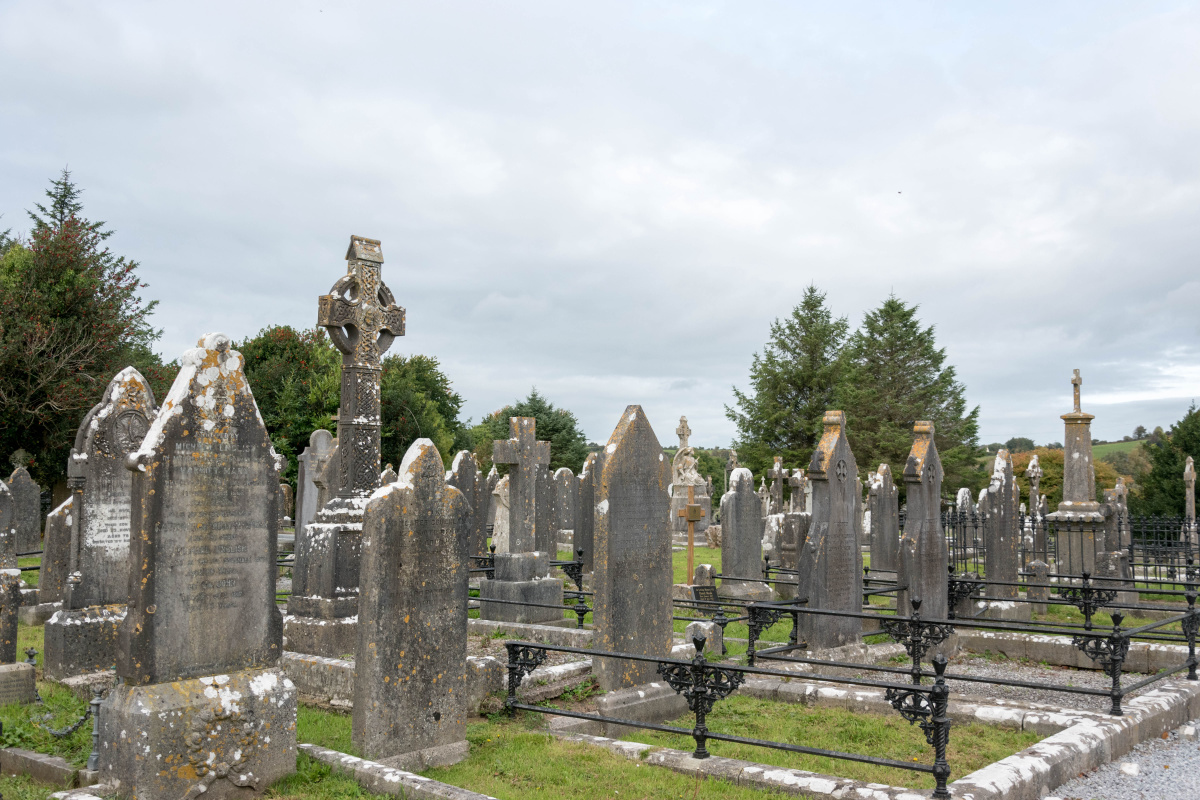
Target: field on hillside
[(1099, 450)]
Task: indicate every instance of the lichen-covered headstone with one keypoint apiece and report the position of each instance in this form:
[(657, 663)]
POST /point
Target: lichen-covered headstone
[(924, 545), (528, 457), (410, 687), (285, 502), (465, 476), (1001, 529), (834, 579), (742, 539), (546, 533), (388, 475), (632, 571), (883, 505), (313, 463), (82, 637), (585, 524), (52, 577), (501, 498), (27, 510), (566, 499), (199, 707), (1079, 519)]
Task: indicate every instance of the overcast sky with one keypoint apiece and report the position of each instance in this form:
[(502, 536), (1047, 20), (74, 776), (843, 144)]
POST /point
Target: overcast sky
[(613, 201)]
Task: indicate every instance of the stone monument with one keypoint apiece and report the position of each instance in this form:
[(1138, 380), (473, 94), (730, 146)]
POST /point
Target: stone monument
[(998, 505), (56, 555), (741, 539), (27, 510), (199, 707), (501, 496), (410, 683), (465, 475), (923, 552), (585, 517), (312, 463), (633, 573), (363, 320), (883, 506), (684, 474), (1079, 518)]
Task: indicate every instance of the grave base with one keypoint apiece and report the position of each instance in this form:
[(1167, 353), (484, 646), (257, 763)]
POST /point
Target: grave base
[(81, 641), (547, 591), (37, 614), (754, 591), (17, 684), (443, 755), (1008, 610), (331, 638), (218, 736)]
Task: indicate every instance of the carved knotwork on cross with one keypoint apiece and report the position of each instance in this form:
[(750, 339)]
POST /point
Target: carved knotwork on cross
[(683, 432), (363, 320)]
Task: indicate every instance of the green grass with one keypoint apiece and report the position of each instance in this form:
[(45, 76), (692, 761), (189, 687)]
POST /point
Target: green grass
[(25, 727), (316, 781), (31, 577), (22, 787), (1099, 450), (971, 746)]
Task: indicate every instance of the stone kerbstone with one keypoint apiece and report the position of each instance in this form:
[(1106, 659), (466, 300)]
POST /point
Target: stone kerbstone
[(39, 766), (522, 566), (17, 684), (331, 638), (81, 641), (227, 733), (36, 615), (545, 592)]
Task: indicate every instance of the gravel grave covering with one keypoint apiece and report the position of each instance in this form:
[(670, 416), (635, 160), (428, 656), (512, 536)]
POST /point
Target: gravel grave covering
[(487, 646), (1165, 769)]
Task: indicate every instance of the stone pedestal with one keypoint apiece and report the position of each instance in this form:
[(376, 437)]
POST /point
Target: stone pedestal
[(220, 736), (525, 578), (321, 626), (81, 641), (322, 613), (752, 591), (17, 684)]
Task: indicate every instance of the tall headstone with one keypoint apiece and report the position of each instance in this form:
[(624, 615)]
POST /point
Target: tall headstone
[(566, 499), (527, 456), (27, 510), (312, 464), (56, 555), (835, 579), (82, 637), (798, 500), (502, 499), (410, 683), (633, 573), (1189, 504), (1078, 518), (465, 476), (764, 497), (545, 532), (200, 707), (585, 525), (1001, 528), (362, 319), (778, 476), (1037, 524), (883, 506), (742, 539), (923, 553)]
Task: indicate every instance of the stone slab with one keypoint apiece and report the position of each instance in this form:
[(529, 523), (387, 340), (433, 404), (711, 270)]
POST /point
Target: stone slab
[(376, 777), (332, 638), (546, 592), (39, 766), (36, 615), (81, 641), (17, 684)]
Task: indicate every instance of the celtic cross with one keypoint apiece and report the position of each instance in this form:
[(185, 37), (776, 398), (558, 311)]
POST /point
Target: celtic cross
[(363, 319), (683, 432)]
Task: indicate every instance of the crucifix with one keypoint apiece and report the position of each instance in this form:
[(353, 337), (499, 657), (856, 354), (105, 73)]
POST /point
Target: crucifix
[(528, 455), (363, 320), (693, 512), (1076, 382), (777, 476), (730, 466)]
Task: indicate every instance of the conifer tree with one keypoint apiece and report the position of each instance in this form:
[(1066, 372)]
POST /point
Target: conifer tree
[(568, 445), (894, 375), (1161, 490), (792, 383)]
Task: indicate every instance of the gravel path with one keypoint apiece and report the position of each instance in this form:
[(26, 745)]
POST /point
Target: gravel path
[(1165, 769)]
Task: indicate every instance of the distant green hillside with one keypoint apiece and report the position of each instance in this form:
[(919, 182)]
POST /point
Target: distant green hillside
[(1115, 447)]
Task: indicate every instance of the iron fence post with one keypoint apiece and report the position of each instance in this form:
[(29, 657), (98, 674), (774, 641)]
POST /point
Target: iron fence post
[(940, 700)]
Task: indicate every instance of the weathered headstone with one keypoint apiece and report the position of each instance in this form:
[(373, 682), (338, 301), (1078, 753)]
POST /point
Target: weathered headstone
[(10, 602), (1001, 529), (924, 555), (1038, 593), (633, 573), (545, 532), (1037, 523), (764, 497), (501, 496), (82, 637), (362, 319), (742, 539), (791, 539), (585, 524), (566, 499), (388, 476), (798, 501), (410, 683), (883, 506), (778, 476), (285, 502), (27, 510), (528, 457), (465, 476), (312, 464), (835, 576), (199, 707), (56, 554), (1079, 518), (1189, 500)]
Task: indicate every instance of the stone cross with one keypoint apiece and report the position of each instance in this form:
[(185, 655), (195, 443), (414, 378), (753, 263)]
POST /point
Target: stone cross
[(363, 319), (683, 432), (777, 474), (1076, 382), (798, 502), (528, 456)]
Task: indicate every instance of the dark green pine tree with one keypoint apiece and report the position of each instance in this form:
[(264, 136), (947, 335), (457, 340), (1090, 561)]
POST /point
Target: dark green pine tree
[(895, 374), (1161, 489), (792, 383), (568, 445)]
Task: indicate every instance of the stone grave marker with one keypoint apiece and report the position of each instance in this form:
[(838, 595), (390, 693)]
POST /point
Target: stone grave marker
[(883, 505), (545, 533), (834, 579), (56, 554), (1079, 517), (585, 505), (387, 476), (410, 684), (633, 574), (923, 566), (566, 501), (528, 456), (741, 539), (82, 637), (501, 497), (199, 707), (27, 510), (311, 464), (285, 502), (464, 475), (778, 476)]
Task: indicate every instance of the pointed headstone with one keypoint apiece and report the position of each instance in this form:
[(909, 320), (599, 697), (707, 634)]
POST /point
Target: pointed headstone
[(410, 686), (835, 581), (203, 632), (27, 510), (924, 544), (56, 554), (312, 463), (632, 571), (465, 476), (883, 506)]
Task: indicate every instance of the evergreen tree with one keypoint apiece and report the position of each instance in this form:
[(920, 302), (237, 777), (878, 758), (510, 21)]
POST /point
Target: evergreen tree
[(895, 375), (792, 383), (1161, 490), (568, 446), (70, 319)]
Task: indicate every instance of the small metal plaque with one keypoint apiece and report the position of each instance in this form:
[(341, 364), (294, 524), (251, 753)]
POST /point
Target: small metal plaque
[(695, 513), (705, 594)]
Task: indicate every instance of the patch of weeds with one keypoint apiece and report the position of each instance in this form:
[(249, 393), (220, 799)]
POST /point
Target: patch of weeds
[(23, 787), (314, 780), (583, 691), (25, 726)]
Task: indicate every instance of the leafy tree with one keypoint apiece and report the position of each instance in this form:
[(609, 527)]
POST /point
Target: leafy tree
[(71, 317), (1139, 432), (1019, 444), (1162, 487), (793, 382), (1051, 485), (1132, 464), (568, 445), (417, 401), (895, 375)]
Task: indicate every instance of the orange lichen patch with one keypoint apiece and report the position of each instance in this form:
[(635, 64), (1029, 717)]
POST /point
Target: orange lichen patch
[(915, 467), (835, 423)]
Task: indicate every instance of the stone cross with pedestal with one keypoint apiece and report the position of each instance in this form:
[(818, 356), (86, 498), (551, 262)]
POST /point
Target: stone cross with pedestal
[(200, 707), (525, 454), (363, 320), (1079, 517)]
